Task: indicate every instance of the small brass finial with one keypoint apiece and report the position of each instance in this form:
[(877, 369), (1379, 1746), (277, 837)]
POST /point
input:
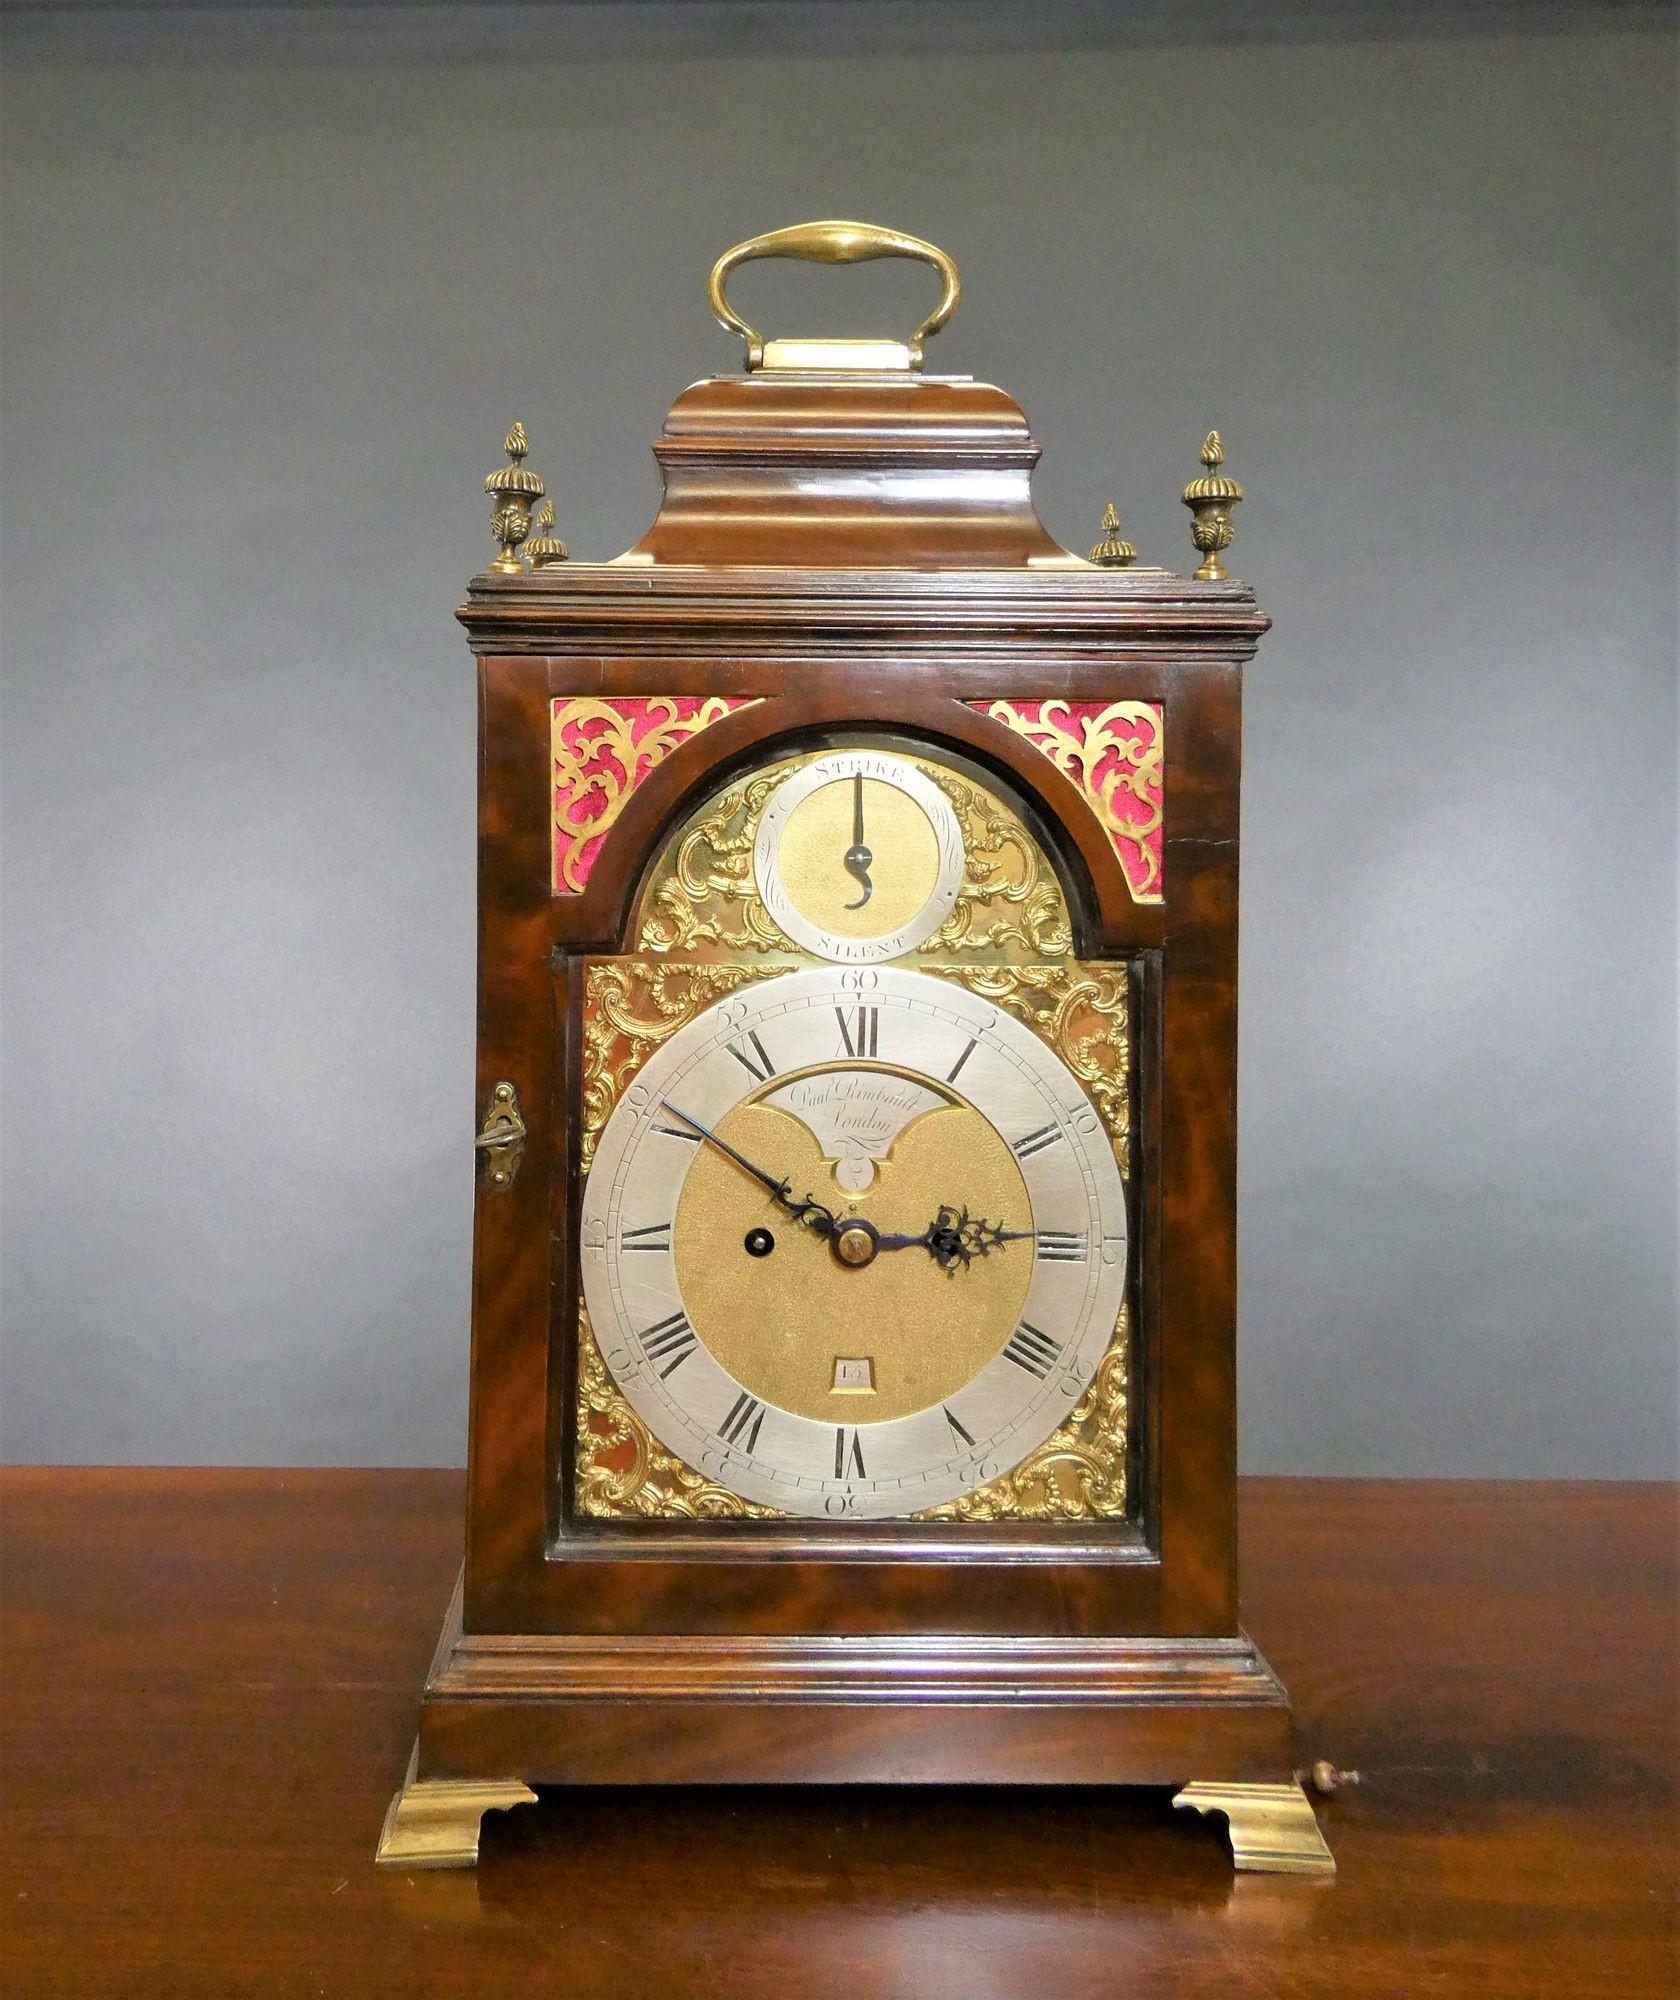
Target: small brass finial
[(1111, 552), (513, 492), (1210, 500), (543, 548)]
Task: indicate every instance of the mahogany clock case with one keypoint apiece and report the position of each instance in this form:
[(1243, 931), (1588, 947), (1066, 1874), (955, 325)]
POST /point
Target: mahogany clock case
[(583, 1651)]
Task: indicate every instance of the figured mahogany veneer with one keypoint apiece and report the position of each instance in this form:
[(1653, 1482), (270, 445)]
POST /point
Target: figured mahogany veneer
[(896, 471), (858, 555), (918, 1708)]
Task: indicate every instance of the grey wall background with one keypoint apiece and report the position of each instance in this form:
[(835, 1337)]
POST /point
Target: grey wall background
[(274, 286)]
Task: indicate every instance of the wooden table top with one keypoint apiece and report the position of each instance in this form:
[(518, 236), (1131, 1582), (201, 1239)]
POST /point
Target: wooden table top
[(210, 1682)]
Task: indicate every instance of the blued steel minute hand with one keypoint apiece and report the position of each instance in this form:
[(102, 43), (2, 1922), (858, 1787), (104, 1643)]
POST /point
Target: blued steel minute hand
[(809, 1211)]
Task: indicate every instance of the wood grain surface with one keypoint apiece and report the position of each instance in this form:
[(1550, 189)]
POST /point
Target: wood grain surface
[(849, 554), (209, 1684)]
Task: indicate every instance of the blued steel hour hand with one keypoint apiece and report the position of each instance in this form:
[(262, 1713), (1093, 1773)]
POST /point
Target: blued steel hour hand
[(857, 859), (809, 1211), (954, 1238)]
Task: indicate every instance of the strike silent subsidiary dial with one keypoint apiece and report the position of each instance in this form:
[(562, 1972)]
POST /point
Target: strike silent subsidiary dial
[(859, 857)]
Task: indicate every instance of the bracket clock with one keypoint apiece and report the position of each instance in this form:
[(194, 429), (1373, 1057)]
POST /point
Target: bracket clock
[(853, 1352)]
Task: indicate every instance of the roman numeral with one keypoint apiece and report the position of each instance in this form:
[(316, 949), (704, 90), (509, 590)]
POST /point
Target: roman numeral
[(1035, 1142), (860, 1029), (956, 1068), (844, 1453), (758, 1064), (1032, 1349), (1060, 1246), (745, 1411), (672, 1341), (956, 1427), (654, 1236)]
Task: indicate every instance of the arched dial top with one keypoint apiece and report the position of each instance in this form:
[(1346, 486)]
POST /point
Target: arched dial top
[(854, 1242), (856, 856)]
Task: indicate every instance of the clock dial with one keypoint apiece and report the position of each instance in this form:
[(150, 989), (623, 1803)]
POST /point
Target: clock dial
[(854, 1242), (859, 856)]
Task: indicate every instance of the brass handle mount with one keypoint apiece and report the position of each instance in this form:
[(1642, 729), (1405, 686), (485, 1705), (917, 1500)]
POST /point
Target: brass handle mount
[(834, 243)]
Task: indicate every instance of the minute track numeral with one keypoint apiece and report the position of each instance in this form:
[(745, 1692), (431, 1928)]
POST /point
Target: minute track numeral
[(848, 1455), (744, 1422), (1031, 1348), (652, 1236), (670, 1341), (1060, 1246), (755, 1060), (1035, 1142), (860, 1030)]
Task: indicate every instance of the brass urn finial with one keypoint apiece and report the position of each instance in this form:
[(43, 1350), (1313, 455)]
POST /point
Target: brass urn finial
[(1210, 500), (1111, 552), (543, 548), (513, 491)]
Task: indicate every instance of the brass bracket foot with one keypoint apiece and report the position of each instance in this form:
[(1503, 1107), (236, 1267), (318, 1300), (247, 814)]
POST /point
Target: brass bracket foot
[(434, 1822), (1273, 1828)]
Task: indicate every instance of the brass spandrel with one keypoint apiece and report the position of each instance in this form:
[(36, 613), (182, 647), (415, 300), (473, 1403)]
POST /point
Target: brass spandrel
[(630, 1007), (1010, 903), (1114, 757), (623, 1471), (600, 750), (1079, 1473)]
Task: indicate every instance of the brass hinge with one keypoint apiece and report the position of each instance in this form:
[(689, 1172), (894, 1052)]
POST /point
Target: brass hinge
[(502, 1136)]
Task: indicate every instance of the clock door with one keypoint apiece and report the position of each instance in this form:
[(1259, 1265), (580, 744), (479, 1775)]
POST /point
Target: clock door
[(856, 1104)]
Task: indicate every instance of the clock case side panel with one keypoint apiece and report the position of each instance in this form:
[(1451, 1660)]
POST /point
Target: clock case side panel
[(523, 1576)]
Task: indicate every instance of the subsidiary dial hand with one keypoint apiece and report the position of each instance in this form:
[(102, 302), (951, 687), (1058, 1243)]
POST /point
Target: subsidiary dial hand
[(857, 859), (954, 1238), (809, 1211)]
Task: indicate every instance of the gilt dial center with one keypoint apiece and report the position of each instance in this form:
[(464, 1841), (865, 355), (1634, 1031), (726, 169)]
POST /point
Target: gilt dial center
[(776, 1323)]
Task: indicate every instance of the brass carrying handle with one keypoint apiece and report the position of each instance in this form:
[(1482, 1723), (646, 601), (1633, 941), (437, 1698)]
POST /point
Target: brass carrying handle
[(834, 243)]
